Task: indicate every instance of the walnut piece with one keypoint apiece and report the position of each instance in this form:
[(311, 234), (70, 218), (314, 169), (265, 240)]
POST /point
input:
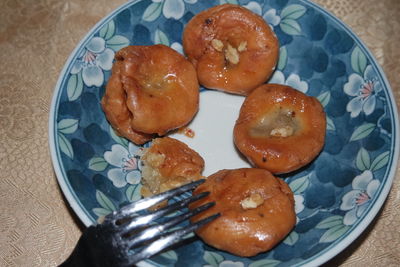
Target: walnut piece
[(217, 44), (242, 46), (252, 202), (282, 131), (231, 54)]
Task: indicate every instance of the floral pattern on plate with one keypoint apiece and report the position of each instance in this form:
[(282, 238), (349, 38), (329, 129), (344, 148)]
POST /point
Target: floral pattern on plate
[(335, 194)]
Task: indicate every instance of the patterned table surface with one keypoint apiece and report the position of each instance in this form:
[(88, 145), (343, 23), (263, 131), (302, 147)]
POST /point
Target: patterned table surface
[(36, 37)]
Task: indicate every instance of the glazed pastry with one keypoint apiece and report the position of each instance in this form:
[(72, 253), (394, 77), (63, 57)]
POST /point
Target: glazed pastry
[(232, 48), (280, 128), (256, 211), (116, 110), (152, 90), (169, 163)]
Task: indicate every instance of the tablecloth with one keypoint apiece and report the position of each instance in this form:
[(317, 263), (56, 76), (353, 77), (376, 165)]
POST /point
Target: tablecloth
[(37, 227)]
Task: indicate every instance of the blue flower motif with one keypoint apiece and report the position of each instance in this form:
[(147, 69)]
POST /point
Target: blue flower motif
[(293, 80), (127, 165), (271, 17), (356, 201), (365, 90), (174, 8), (95, 58), (254, 7), (177, 47)]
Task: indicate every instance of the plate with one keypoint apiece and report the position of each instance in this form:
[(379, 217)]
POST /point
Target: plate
[(337, 195)]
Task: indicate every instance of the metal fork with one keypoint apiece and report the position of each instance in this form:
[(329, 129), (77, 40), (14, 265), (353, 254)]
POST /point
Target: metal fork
[(130, 235)]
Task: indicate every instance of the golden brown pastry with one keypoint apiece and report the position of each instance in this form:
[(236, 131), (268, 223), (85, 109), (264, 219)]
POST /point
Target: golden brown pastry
[(169, 163), (232, 48), (116, 110), (256, 211), (152, 90), (279, 128)]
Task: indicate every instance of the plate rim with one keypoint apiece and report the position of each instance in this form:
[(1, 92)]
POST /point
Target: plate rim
[(322, 256)]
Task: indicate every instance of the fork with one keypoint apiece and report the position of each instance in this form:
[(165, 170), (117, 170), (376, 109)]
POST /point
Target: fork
[(132, 233)]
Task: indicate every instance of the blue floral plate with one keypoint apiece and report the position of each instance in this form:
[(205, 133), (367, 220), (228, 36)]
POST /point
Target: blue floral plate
[(337, 195)]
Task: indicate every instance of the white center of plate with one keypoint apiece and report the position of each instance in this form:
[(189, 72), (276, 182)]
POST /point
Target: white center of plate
[(213, 129)]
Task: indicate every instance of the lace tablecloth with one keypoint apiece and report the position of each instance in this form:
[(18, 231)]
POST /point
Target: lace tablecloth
[(37, 228)]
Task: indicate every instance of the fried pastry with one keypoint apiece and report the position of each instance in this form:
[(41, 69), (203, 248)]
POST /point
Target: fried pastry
[(232, 48), (256, 211), (169, 163), (152, 90), (280, 128)]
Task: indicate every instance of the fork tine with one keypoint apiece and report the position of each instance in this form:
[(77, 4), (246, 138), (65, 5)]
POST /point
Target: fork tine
[(145, 219), (168, 240), (156, 230), (151, 201)]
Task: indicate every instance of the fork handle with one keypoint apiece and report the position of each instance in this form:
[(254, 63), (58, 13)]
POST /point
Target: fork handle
[(95, 249), (80, 256), (90, 251)]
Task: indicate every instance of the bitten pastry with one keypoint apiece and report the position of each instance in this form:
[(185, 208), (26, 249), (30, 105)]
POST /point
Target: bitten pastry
[(169, 163), (232, 48), (256, 211), (152, 90), (280, 128)]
